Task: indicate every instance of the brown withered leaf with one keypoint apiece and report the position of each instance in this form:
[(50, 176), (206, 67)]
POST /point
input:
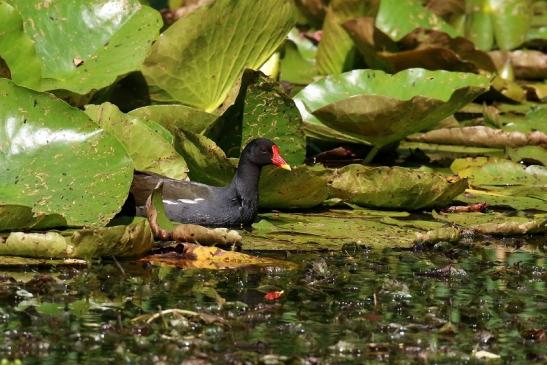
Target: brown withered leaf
[(430, 49), (527, 64), (480, 136)]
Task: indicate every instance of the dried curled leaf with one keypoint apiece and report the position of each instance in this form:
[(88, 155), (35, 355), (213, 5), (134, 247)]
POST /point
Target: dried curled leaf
[(480, 136)]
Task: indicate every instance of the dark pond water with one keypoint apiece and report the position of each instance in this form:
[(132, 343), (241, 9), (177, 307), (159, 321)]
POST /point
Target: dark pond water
[(434, 306)]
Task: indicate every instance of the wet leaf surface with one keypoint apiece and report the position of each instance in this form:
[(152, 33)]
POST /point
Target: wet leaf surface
[(302, 187), (174, 117), (80, 46), (55, 160), (503, 183), (15, 217)]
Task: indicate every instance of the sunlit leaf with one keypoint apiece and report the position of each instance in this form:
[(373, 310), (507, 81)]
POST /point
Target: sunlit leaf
[(336, 52), (394, 187), (200, 57), (380, 108), (148, 149), (130, 241), (82, 45), (398, 18), (55, 160)]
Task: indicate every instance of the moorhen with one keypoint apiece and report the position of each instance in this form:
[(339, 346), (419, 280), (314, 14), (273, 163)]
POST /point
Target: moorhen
[(233, 205)]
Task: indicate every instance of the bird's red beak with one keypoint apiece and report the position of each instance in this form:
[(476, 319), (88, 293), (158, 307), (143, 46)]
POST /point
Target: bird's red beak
[(277, 160)]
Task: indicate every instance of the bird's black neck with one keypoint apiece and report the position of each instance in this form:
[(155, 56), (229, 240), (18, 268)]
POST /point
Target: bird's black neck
[(246, 179)]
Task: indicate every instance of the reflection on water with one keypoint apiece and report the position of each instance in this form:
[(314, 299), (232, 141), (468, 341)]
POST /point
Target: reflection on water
[(354, 307)]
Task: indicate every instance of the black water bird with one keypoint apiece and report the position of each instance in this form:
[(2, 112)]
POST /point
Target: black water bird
[(233, 205)]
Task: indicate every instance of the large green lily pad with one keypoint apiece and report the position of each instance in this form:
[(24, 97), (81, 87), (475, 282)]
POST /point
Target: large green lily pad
[(202, 55), (504, 183), (132, 240), (55, 160), (303, 187), (81, 45), (393, 187), (380, 108), (270, 113), (331, 230), (149, 150), (298, 64)]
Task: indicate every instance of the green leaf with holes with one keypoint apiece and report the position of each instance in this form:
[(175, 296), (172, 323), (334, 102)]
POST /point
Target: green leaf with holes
[(55, 160), (394, 187), (80, 45), (398, 18)]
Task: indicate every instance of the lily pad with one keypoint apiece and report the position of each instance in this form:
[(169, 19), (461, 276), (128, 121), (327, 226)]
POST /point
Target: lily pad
[(336, 52), (83, 45), (207, 162), (126, 241), (501, 173), (14, 217), (449, 152), (496, 223), (398, 18), (55, 160), (511, 21), (24, 65), (213, 258), (262, 109), (149, 150), (331, 230), (270, 113), (298, 64), (176, 116), (380, 108), (480, 136), (200, 57), (394, 187), (536, 154), (303, 187), (504, 183), (478, 24)]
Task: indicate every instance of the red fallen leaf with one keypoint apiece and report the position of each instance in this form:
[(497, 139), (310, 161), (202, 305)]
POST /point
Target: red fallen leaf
[(273, 295)]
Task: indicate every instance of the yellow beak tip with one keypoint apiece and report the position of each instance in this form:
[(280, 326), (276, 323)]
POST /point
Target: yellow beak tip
[(285, 166)]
